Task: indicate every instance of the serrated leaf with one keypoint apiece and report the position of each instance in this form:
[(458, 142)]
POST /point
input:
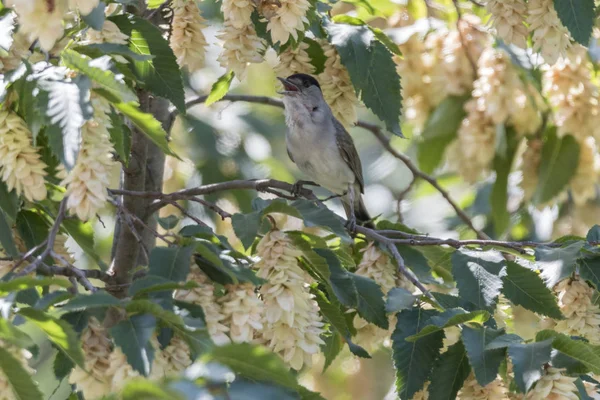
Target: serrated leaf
[(62, 365), (371, 305), (589, 269), (95, 19), (253, 362), (12, 334), (97, 49), (51, 299), (414, 360), (528, 361), (133, 337), (153, 284), (593, 234), (145, 122), (219, 88), (399, 299), (316, 54), (93, 300), (504, 341), (28, 282), (331, 349), (152, 4), (524, 287), (560, 158), (140, 389), (317, 258), (448, 318), (557, 263), (478, 276), (372, 70), (314, 215), (449, 373), (485, 363), (22, 385), (68, 107), (168, 222), (342, 284), (578, 17), (576, 349), (172, 263), (439, 130), (102, 77), (165, 316), (120, 137), (58, 331), (161, 75), (246, 227), (220, 270), (6, 237), (83, 234), (9, 201)]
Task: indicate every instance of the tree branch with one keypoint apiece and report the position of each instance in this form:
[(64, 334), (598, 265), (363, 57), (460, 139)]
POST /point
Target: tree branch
[(379, 134)]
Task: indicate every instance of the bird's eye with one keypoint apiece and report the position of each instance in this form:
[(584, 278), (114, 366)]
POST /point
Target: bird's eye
[(315, 108)]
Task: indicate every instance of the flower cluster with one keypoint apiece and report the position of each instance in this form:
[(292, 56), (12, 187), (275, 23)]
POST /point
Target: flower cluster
[(472, 390), (508, 19), (554, 385), (87, 182), (19, 50), (287, 20), (241, 46), (550, 37), (204, 296), (337, 87), (292, 325), (20, 165), (582, 317), (244, 312), (294, 61), (110, 33), (187, 40)]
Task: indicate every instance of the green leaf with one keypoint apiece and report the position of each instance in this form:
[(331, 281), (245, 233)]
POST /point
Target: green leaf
[(9, 201), (23, 386), (98, 299), (557, 263), (560, 157), (589, 269), (504, 341), (95, 19), (485, 363), (246, 227), (97, 49), (153, 284), (62, 366), (371, 305), (67, 108), (448, 318), (83, 234), (141, 389), (221, 270), (578, 17), (133, 337), (478, 276), (414, 360), (576, 349), (528, 361), (342, 283), (317, 258), (100, 74), (164, 316), (593, 234), (314, 215), (439, 130), (13, 335), (449, 373), (160, 75), (372, 70), (316, 54), (58, 331), (253, 362), (28, 282), (32, 228), (219, 88), (152, 4), (145, 122), (334, 344), (523, 287), (399, 299), (172, 263), (6, 237), (499, 195), (168, 222), (386, 40)]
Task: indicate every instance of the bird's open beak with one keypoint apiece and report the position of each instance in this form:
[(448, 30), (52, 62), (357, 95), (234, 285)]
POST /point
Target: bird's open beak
[(288, 86)]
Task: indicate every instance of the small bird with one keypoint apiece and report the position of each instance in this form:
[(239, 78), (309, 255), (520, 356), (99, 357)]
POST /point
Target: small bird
[(321, 147)]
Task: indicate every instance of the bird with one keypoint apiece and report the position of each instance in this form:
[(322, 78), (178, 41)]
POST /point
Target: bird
[(321, 147)]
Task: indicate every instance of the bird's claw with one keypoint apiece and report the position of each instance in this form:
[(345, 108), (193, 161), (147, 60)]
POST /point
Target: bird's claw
[(297, 188), (351, 224)]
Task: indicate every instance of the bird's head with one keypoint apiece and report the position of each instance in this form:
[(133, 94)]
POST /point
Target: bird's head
[(302, 94)]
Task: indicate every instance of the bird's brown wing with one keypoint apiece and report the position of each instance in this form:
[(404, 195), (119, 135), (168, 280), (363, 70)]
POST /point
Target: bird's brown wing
[(349, 154)]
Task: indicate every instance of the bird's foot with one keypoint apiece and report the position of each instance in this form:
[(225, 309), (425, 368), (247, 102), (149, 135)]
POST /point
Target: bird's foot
[(298, 186), (351, 224)]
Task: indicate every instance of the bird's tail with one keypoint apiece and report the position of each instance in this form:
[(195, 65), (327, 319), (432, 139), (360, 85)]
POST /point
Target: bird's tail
[(360, 211)]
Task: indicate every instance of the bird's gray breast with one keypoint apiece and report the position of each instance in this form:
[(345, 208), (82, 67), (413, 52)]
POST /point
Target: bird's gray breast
[(315, 152)]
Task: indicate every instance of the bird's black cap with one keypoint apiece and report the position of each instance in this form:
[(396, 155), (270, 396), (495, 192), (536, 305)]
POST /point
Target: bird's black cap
[(305, 80)]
